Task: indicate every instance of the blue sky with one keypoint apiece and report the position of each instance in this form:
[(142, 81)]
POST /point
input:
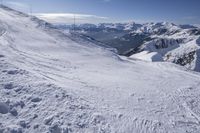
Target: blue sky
[(94, 11)]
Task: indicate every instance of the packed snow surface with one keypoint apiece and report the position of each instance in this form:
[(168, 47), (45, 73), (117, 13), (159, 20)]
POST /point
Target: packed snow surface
[(60, 83)]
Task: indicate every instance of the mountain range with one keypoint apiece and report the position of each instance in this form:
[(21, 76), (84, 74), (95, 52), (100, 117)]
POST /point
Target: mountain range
[(150, 41)]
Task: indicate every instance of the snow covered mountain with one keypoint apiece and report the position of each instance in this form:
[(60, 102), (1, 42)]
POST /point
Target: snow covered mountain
[(167, 41), (62, 83), (177, 44)]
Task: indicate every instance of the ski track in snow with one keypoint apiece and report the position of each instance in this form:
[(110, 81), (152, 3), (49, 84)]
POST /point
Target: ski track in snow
[(50, 83)]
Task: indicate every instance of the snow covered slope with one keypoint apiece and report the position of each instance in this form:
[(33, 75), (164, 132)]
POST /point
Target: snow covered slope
[(148, 56), (61, 83)]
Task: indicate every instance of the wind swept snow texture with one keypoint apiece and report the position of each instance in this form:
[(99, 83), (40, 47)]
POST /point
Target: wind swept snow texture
[(56, 83)]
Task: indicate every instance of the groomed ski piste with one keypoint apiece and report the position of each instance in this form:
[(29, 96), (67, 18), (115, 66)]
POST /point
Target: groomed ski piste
[(60, 83)]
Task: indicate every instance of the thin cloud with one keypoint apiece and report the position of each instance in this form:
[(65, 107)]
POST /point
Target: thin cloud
[(18, 5), (69, 18)]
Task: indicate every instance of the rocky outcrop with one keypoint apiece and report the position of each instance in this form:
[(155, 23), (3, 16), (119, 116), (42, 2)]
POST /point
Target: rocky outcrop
[(185, 59), (166, 43)]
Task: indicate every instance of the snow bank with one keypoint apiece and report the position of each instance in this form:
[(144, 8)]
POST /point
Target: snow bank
[(148, 56)]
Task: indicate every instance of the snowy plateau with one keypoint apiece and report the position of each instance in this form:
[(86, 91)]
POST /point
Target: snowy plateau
[(55, 82)]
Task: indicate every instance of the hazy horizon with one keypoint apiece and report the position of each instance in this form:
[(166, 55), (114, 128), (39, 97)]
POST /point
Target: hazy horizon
[(111, 11)]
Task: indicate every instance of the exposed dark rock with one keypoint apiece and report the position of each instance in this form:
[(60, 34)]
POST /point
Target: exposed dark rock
[(185, 59)]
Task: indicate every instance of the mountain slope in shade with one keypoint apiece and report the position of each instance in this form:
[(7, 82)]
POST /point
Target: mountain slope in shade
[(60, 83)]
